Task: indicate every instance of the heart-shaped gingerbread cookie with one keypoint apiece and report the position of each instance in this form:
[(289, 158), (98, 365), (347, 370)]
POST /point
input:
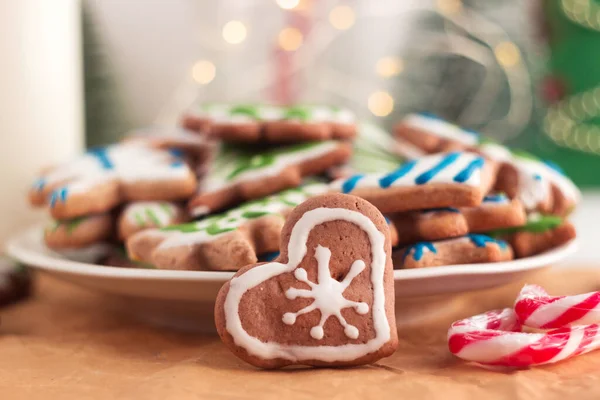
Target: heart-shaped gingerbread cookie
[(327, 300)]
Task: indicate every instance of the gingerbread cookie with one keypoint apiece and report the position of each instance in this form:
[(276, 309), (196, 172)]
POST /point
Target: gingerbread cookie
[(429, 225), (239, 175), (271, 124), (496, 211), (458, 179), (432, 134), (196, 149), (79, 232), (15, 281), (142, 215), (327, 300), (541, 233), (103, 178), (539, 185), (116, 256), (222, 242), (470, 249)]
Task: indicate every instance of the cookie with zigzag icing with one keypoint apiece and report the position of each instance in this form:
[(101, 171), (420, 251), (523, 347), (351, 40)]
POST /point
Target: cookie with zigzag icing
[(470, 249), (138, 216), (79, 232), (245, 123), (457, 179), (237, 175), (223, 242)]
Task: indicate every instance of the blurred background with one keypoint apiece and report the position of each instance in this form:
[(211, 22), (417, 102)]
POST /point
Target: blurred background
[(79, 73)]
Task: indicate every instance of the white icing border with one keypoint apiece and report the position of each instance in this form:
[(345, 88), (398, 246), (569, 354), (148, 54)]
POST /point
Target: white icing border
[(296, 252), (441, 128)]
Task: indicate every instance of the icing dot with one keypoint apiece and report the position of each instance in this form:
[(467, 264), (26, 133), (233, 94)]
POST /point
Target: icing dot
[(301, 274), (316, 332), (362, 308), (289, 318), (351, 331)]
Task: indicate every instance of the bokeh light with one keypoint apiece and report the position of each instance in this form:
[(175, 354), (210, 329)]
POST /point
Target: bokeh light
[(204, 72), (342, 17), (234, 32), (380, 103), (389, 66), (290, 39)]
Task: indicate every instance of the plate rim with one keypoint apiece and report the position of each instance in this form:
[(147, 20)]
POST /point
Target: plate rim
[(15, 248)]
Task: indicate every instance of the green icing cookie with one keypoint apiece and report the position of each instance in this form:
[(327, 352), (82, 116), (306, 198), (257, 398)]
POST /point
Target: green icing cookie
[(234, 218), (540, 224), (70, 224), (372, 151), (231, 163), (247, 110)]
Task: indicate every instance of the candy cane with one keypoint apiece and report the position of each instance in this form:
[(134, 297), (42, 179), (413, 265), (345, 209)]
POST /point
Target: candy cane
[(495, 338), (537, 309)]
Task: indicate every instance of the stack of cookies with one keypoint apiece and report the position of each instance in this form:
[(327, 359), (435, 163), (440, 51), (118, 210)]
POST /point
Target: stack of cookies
[(214, 195), (485, 202), (110, 193)]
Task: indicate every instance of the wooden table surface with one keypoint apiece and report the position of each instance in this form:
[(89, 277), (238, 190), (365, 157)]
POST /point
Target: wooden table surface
[(66, 343)]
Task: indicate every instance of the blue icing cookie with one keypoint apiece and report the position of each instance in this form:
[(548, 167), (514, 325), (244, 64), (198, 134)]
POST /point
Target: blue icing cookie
[(466, 173), (482, 240), (101, 154), (442, 209), (419, 249), (59, 194), (429, 114), (39, 184), (350, 184), (268, 257), (430, 174), (455, 167), (390, 178), (495, 198), (555, 167)]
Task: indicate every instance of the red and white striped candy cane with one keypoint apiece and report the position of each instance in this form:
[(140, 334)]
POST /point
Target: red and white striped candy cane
[(495, 338), (537, 309)]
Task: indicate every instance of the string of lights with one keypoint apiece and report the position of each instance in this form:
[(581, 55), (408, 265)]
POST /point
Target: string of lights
[(490, 47), (565, 122)]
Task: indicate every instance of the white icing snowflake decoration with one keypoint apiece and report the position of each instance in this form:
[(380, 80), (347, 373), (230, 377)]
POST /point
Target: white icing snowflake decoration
[(328, 295)]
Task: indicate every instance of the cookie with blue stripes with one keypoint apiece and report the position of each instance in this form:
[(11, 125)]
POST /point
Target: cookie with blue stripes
[(79, 232), (457, 179), (254, 123), (432, 134), (106, 177), (470, 249), (142, 215)]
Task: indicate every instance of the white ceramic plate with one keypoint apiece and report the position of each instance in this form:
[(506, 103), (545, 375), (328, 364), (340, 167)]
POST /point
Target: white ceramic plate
[(186, 298)]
